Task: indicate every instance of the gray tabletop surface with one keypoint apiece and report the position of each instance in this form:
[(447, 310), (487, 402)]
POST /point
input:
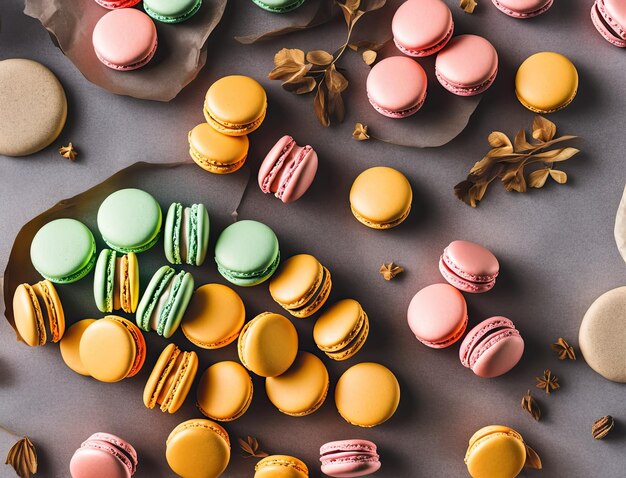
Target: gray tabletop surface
[(555, 246)]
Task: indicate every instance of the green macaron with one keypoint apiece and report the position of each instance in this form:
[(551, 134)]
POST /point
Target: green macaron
[(171, 11), (116, 282), (278, 6), (186, 234), (247, 253), (130, 220), (63, 251), (165, 301)]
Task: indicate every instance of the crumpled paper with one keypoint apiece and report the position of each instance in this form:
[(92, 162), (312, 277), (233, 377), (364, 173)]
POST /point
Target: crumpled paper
[(180, 54), (183, 182), (620, 226)]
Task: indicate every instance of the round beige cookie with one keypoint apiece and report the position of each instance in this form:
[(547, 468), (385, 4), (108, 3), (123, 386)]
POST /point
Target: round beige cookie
[(602, 336), (33, 107)]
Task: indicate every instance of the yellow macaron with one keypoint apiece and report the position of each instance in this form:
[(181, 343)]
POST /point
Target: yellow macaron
[(198, 448), (171, 379), (281, 466), (235, 105), (546, 82), (341, 330), (216, 152), (301, 285), (495, 451), (38, 313), (214, 316), (70, 346), (302, 389), (268, 344), (224, 391), (367, 394), (381, 197)]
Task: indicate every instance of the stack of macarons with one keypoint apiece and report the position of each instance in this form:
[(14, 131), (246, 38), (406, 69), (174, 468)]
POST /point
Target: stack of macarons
[(437, 314), (234, 106)]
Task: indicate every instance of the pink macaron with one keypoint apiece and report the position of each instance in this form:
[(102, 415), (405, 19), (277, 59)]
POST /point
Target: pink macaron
[(469, 267), (422, 27), (492, 348), (104, 455), (113, 4), (523, 8), (349, 458), (609, 18), (396, 87), (437, 315), (288, 170), (125, 39), (467, 66)]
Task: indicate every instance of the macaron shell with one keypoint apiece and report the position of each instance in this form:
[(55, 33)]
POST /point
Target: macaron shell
[(236, 100), (164, 365), (367, 394), (257, 345), (296, 280), (179, 302), (435, 313), (461, 283), (496, 455), (478, 333), (198, 448), (381, 196), (70, 346), (614, 12), (281, 466), (298, 180), (270, 168), (498, 355), (224, 391), (225, 153), (354, 445), (419, 25), (472, 261), (607, 32), (523, 8), (103, 280), (397, 84), (602, 335), (149, 301), (28, 314), (122, 445), (97, 462), (468, 61), (546, 82), (346, 467), (33, 107), (171, 11), (183, 379), (302, 389), (214, 317), (338, 325), (202, 230), (124, 37), (355, 344)]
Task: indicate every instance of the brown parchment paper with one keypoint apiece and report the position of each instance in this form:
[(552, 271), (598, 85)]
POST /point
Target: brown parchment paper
[(180, 54), (182, 182)]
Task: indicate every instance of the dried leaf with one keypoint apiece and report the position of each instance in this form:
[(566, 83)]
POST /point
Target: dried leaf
[(369, 56), (371, 5), (336, 106), (532, 459), (559, 176), (319, 57), (250, 447), (319, 105), (360, 132), (520, 144), (23, 458), (367, 45), (289, 56), (537, 179), (68, 152), (289, 65), (556, 155), (531, 406), (498, 140), (300, 86), (350, 11), (335, 81), (468, 5), (543, 129)]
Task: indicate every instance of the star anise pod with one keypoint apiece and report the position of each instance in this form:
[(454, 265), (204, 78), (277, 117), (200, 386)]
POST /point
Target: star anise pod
[(531, 406), (23, 458), (360, 132), (602, 426), (468, 5), (389, 271), (250, 446), (548, 382), (563, 349), (68, 152)]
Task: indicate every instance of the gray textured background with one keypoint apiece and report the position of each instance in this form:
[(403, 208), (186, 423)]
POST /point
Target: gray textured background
[(555, 246)]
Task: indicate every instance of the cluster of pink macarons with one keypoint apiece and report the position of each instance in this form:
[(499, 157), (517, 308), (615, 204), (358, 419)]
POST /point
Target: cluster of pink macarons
[(437, 314), (466, 65)]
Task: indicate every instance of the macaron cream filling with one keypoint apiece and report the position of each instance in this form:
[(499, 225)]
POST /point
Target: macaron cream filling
[(173, 380), (149, 320), (39, 322), (53, 315)]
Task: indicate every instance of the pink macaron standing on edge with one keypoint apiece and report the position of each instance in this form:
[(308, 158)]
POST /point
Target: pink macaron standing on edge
[(467, 66), (104, 455), (422, 27), (437, 315), (113, 4), (396, 87), (492, 348), (609, 18), (125, 39), (523, 8), (349, 458), (469, 267), (288, 170)]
